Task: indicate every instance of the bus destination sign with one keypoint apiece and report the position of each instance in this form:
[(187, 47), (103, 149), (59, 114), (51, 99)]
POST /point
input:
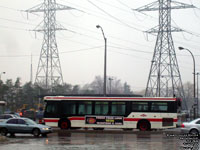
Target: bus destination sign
[(104, 120)]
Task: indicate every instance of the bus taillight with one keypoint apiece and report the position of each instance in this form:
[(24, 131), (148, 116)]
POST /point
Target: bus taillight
[(41, 121)]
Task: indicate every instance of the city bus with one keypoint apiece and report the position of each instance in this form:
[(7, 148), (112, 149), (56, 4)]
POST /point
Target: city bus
[(99, 112)]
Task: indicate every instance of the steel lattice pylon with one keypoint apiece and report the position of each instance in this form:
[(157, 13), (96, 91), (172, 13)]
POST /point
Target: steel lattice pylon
[(49, 71), (164, 77)]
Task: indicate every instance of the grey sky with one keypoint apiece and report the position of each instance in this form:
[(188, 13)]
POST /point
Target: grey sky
[(82, 50)]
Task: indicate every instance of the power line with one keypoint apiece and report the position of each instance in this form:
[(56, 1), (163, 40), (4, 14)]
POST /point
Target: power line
[(80, 50), (13, 28), (10, 20), (68, 30), (113, 37), (10, 8), (62, 52), (114, 17), (124, 10), (131, 49)]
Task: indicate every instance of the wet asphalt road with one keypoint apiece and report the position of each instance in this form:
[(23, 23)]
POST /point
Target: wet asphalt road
[(101, 140)]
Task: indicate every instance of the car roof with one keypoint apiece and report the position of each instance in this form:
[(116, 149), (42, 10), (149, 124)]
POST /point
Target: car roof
[(195, 120), (9, 115)]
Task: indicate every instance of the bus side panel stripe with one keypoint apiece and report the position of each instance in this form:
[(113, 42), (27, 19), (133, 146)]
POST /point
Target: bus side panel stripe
[(77, 118), (149, 119), (50, 120)]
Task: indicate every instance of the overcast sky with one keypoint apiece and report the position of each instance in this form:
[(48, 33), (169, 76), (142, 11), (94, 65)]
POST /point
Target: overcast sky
[(81, 49)]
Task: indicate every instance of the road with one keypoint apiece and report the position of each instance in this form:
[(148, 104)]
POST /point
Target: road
[(101, 140)]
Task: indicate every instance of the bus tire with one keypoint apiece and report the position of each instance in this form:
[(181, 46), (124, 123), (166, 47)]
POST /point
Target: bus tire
[(64, 124), (144, 125)]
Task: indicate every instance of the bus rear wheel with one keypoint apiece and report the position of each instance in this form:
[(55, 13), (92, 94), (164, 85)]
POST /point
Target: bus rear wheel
[(144, 125), (64, 124)]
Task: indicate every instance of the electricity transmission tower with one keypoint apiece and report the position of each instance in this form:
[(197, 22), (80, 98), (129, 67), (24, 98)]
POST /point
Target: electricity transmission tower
[(164, 78), (49, 71)]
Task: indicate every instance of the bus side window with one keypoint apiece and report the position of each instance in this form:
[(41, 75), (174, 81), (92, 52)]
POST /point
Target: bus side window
[(159, 106), (85, 108), (118, 108), (101, 108), (140, 106), (68, 108), (51, 109)]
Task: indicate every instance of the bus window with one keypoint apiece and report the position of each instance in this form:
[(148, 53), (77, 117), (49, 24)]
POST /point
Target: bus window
[(118, 108), (140, 106), (68, 108), (51, 109), (159, 106), (101, 108), (85, 108)]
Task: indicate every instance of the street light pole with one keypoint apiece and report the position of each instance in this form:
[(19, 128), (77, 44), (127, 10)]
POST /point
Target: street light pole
[(105, 60), (198, 94), (181, 48), (1, 74)]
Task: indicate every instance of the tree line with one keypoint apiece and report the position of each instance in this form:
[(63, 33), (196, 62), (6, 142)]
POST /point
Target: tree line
[(18, 96), (28, 95)]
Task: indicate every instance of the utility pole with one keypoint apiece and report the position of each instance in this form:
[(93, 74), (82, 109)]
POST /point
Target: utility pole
[(198, 94), (49, 71), (105, 59), (31, 73), (164, 71), (194, 79)]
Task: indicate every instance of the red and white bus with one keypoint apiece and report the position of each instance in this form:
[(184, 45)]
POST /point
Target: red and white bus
[(100, 112)]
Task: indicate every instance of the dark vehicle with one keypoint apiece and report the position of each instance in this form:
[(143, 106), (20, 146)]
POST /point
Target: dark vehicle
[(4, 117), (28, 114), (23, 125)]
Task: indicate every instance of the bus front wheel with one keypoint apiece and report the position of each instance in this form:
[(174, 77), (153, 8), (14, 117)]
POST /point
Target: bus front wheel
[(144, 125), (64, 124)]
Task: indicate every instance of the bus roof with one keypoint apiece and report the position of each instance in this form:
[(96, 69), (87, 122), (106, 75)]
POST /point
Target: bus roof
[(116, 98)]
